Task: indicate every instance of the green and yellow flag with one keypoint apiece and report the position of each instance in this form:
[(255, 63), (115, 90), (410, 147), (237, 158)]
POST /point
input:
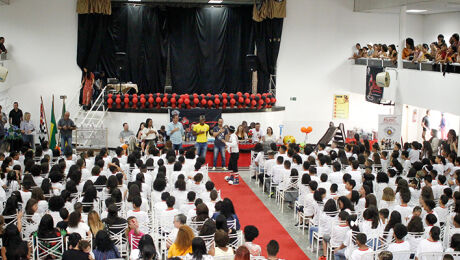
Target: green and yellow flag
[(53, 128)]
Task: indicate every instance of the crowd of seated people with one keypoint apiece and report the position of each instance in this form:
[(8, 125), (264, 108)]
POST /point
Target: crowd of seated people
[(361, 199), (94, 200), (439, 51)]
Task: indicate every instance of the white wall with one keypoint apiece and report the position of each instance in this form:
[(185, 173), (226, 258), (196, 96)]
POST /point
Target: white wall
[(317, 39), (41, 38), (446, 24)]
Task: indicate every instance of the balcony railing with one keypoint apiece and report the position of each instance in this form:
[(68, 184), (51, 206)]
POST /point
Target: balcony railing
[(422, 66)]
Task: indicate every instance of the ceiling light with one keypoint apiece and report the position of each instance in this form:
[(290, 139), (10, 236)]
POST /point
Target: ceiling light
[(215, 1), (415, 11)]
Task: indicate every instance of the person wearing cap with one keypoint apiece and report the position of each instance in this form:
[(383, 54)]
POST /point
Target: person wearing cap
[(201, 132), (232, 146)]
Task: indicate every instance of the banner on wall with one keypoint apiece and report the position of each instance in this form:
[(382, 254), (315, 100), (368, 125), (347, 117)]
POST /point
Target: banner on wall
[(389, 130), (191, 117), (341, 106), (374, 93)]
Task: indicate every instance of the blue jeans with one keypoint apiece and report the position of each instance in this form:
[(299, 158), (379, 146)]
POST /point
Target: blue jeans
[(201, 149), (312, 229), (218, 149), (28, 140), (340, 255), (177, 147), (65, 139)]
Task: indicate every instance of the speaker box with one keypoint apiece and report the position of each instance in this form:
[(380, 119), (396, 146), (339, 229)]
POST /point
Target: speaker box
[(252, 62), (3, 74)]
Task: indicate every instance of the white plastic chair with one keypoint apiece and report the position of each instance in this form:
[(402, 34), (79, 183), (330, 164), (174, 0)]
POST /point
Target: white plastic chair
[(43, 247), (118, 238), (209, 241)]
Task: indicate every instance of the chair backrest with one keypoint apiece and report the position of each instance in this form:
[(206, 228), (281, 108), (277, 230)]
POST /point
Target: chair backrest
[(28, 227), (134, 241), (196, 226), (402, 255), (231, 224), (45, 247), (208, 240), (10, 219)]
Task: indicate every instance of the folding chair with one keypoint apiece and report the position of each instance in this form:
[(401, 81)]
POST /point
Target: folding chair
[(196, 226), (10, 219), (319, 238), (209, 241), (117, 234), (43, 247), (28, 227), (291, 188), (134, 242)]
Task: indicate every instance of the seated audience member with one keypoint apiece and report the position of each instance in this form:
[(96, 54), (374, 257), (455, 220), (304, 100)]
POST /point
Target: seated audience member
[(13, 245), (75, 225), (251, 233), (146, 249), (104, 247), (74, 251), (199, 251), (133, 232), (221, 240), (272, 250), (362, 249), (242, 253), (430, 244), (399, 244), (183, 243)]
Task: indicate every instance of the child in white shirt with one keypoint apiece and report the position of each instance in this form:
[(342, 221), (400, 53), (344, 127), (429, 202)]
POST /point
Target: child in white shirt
[(362, 250), (399, 232)]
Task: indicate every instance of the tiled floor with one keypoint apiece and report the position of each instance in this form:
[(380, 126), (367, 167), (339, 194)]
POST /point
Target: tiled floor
[(286, 218)]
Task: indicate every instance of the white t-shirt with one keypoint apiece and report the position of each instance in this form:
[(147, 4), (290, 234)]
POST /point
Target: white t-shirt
[(399, 246), (81, 229), (361, 254), (142, 218), (426, 246)]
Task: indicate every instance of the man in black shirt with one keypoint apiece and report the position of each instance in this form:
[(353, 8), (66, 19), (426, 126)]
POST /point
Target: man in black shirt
[(74, 252), (15, 116)]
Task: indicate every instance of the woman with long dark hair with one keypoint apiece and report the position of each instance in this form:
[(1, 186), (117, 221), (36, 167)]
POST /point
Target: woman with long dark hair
[(199, 250), (13, 245), (228, 211), (46, 228), (104, 247)]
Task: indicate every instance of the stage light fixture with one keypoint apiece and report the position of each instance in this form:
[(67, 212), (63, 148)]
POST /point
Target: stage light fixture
[(415, 11)]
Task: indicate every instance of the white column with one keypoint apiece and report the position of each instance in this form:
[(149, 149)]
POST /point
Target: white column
[(402, 42)]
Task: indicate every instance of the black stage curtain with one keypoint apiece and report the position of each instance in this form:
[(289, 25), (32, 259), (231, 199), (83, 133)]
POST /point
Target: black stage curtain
[(207, 47), (268, 39)]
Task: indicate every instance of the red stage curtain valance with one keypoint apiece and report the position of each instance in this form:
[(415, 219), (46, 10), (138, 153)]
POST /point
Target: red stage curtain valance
[(94, 7)]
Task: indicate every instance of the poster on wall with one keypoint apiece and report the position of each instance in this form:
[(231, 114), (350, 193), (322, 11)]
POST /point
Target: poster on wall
[(191, 117), (341, 106), (389, 130), (374, 93)]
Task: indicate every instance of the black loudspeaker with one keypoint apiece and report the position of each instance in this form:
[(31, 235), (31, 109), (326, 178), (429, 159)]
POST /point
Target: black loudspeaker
[(121, 61), (252, 62)]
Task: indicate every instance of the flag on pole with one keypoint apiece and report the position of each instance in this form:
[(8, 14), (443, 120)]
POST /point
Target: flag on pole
[(63, 108), (43, 135), (53, 127)]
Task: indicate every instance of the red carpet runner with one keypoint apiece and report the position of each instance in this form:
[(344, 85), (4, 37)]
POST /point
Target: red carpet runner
[(251, 211)]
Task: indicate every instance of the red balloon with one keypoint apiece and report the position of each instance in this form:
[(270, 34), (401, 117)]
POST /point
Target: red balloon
[(203, 102), (150, 99), (253, 103), (143, 100), (195, 95), (225, 101), (165, 100), (232, 101), (240, 99), (239, 93), (209, 95), (273, 100), (217, 101), (267, 100), (261, 102), (224, 95), (135, 100), (187, 101), (110, 101), (210, 103), (196, 100), (181, 100), (247, 101), (232, 95), (246, 94), (158, 100), (173, 100), (126, 100), (253, 95)]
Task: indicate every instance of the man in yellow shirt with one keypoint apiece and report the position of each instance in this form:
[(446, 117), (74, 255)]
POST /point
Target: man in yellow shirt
[(201, 133)]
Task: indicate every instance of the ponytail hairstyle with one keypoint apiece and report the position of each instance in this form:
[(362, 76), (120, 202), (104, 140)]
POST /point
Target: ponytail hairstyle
[(435, 232)]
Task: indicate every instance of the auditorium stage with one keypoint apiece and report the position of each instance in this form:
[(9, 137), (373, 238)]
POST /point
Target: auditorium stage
[(113, 121)]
